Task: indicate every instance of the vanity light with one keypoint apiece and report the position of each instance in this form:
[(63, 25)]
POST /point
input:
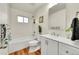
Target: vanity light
[(52, 4)]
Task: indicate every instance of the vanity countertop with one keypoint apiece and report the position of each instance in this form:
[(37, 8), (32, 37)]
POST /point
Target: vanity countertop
[(62, 40)]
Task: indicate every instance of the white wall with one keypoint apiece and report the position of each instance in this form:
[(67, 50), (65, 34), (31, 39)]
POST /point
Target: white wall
[(20, 30), (4, 13), (43, 11)]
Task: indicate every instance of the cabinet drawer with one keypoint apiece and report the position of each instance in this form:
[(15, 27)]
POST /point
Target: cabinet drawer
[(67, 50)]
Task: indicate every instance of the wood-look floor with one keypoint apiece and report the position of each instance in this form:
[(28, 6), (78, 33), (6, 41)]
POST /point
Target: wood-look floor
[(26, 51)]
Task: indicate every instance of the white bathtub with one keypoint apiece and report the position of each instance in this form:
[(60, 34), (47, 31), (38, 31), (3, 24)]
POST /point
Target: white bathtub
[(19, 43)]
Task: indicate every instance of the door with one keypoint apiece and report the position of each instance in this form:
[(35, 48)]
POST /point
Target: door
[(52, 48)]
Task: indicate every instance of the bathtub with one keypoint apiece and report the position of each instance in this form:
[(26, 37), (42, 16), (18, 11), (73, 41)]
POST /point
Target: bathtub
[(19, 43)]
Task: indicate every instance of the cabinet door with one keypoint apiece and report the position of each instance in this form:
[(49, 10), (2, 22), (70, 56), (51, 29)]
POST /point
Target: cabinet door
[(43, 46), (52, 48), (67, 50)]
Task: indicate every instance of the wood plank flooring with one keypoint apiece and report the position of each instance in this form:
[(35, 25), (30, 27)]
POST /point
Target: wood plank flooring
[(26, 51)]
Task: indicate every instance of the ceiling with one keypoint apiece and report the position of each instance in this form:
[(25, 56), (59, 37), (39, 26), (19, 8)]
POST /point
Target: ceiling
[(28, 7)]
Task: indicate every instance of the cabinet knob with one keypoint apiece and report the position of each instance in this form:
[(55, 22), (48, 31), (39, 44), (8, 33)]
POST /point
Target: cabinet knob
[(67, 51)]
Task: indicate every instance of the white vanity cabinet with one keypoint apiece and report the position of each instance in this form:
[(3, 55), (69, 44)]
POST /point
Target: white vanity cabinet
[(67, 50), (52, 47), (48, 46)]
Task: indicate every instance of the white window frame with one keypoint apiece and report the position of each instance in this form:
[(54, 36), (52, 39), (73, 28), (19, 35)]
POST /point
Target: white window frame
[(22, 19)]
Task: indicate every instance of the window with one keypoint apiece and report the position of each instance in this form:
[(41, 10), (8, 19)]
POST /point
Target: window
[(22, 19), (25, 20)]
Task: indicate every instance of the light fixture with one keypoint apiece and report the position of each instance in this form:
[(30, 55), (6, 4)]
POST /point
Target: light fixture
[(52, 4)]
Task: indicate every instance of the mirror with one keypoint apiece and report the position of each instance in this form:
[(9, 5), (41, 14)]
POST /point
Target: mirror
[(57, 19), (60, 18)]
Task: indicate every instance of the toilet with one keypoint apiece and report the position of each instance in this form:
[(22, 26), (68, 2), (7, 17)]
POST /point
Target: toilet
[(34, 45)]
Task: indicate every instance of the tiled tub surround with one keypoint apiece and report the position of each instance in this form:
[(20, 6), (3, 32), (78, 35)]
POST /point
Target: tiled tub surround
[(58, 45), (16, 45), (19, 43)]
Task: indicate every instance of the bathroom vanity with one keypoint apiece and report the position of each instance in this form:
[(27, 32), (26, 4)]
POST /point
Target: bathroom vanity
[(56, 45)]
